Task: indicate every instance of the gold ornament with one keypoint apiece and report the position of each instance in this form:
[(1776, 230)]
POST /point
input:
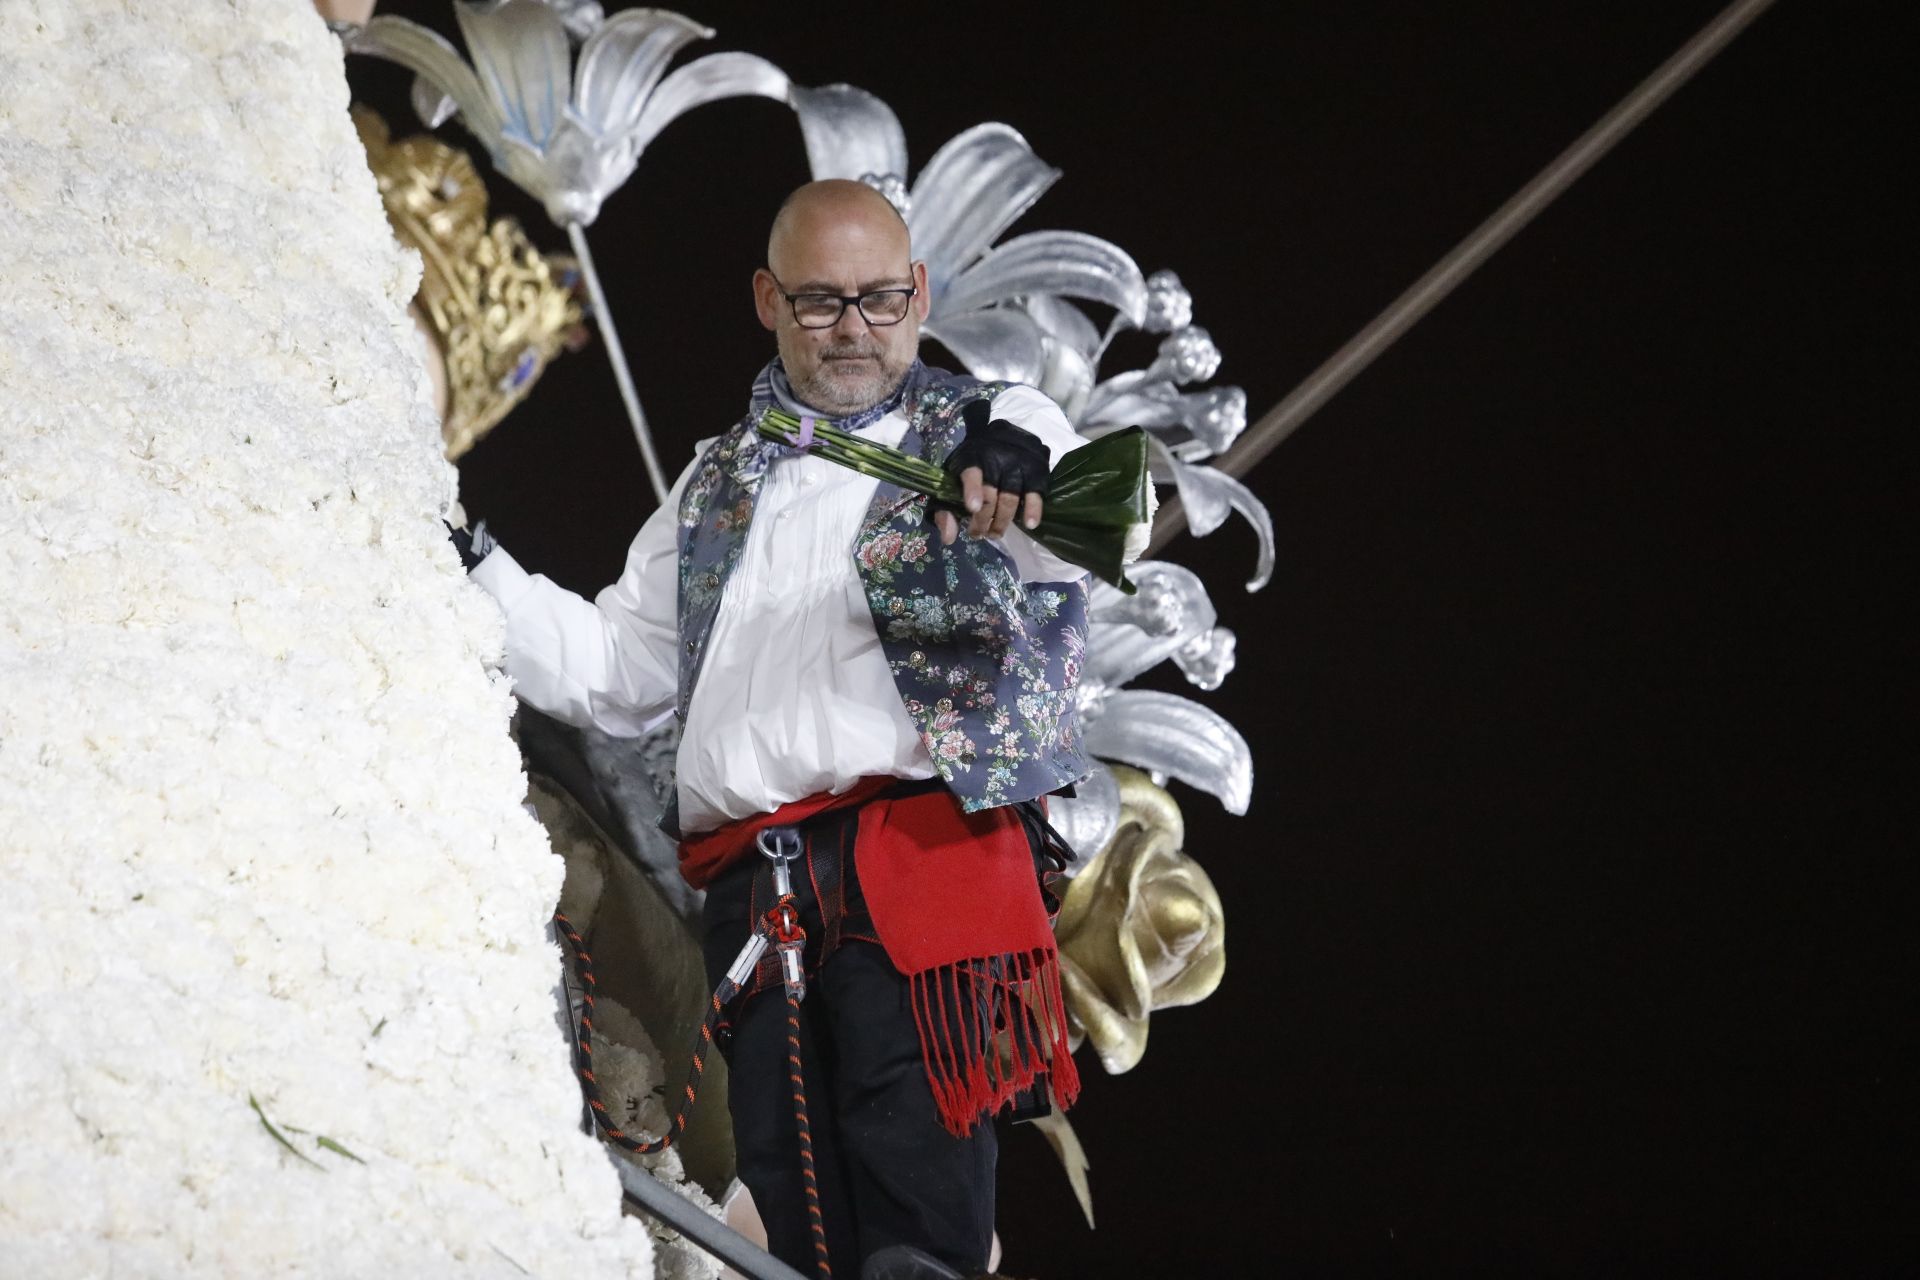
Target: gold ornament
[(494, 306), (1140, 929)]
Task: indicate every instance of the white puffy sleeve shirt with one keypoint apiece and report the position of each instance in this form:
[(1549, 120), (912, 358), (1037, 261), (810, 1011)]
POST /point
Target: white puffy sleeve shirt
[(795, 696)]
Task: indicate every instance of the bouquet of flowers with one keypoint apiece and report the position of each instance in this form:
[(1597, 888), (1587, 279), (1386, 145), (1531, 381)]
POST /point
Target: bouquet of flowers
[(1099, 508)]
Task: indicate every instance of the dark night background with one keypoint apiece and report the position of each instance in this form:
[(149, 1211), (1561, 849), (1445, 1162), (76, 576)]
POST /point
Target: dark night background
[(1563, 928)]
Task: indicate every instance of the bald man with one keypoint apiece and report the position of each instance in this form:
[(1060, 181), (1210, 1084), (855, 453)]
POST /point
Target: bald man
[(890, 686)]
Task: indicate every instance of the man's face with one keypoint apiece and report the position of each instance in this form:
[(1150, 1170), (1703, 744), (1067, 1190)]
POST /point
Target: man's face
[(845, 248)]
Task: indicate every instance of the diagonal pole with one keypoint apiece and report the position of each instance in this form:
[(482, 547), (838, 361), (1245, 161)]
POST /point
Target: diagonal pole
[(658, 1201), (621, 374), (1445, 275)]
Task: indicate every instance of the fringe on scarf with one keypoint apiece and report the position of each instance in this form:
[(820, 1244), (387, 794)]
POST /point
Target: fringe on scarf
[(991, 1029)]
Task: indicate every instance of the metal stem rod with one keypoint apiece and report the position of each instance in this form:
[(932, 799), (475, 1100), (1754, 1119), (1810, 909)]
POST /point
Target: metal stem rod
[(621, 374), (1425, 293), (711, 1234)]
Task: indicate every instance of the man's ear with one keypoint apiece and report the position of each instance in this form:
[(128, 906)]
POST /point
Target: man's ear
[(923, 300), (766, 299)]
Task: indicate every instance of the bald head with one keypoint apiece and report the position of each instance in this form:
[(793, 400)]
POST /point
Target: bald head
[(833, 206), (843, 240)]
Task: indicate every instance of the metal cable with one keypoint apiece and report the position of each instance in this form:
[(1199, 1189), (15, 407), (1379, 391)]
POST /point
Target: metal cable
[(1445, 275)]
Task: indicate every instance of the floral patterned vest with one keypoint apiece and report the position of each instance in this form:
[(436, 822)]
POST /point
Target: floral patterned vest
[(986, 665)]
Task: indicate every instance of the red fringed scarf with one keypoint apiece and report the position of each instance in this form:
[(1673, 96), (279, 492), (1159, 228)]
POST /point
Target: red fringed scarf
[(953, 900)]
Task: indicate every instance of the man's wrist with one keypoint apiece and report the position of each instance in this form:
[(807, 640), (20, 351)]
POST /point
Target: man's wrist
[(474, 546)]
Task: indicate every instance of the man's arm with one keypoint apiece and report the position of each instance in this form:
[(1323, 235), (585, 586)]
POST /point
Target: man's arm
[(610, 663)]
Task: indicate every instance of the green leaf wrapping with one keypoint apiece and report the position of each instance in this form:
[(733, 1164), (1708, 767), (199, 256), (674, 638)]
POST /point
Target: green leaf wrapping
[(1098, 492)]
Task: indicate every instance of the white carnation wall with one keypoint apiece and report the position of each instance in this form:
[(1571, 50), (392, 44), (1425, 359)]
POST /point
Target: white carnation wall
[(260, 829)]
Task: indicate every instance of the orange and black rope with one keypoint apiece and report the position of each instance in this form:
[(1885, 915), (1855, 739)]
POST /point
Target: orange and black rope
[(716, 1004), (784, 924), (814, 1220)]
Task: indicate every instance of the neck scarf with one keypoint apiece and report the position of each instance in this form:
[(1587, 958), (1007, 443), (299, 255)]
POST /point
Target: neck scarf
[(773, 387)]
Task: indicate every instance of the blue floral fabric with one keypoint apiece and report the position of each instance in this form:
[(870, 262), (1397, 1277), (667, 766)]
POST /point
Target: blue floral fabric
[(986, 665)]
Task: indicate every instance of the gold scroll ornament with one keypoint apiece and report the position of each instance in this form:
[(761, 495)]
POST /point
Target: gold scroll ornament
[(491, 307)]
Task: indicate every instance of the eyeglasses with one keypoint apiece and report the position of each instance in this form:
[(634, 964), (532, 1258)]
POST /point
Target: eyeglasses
[(878, 307)]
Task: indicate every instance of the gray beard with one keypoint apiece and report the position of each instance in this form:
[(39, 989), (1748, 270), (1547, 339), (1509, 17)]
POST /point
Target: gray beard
[(838, 397)]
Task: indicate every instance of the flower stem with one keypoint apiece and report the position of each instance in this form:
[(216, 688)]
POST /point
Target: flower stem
[(622, 376), (864, 456)]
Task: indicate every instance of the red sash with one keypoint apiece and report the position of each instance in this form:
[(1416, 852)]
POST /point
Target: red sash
[(955, 904)]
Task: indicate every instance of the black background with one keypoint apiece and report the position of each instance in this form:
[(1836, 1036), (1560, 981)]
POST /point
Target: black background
[(1564, 927)]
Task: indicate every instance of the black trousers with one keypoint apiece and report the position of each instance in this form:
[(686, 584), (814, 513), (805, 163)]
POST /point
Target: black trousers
[(888, 1171)]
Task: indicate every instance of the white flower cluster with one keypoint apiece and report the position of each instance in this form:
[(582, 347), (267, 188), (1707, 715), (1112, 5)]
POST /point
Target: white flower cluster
[(260, 832), (637, 1091)]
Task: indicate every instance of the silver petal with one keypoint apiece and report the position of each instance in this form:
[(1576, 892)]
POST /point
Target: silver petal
[(581, 18), (1134, 634), (1195, 424), (572, 177), (1069, 342), (704, 80), (1168, 595), (433, 106), (971, 191), (1064, 322), (1165, 733), (998, 345), (1051, 262), (1089, 818), (428, 55), (622, 62), (1151, 404), (1067, 376), (1208, 495), (1133, 380), (522, 57), (849, 132)]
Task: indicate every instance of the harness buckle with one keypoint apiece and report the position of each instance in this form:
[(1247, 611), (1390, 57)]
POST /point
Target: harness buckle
[(780, 845), (749, 957)]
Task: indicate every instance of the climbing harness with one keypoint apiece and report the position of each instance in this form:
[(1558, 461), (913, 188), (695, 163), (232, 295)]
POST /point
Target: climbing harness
[(779, 928)]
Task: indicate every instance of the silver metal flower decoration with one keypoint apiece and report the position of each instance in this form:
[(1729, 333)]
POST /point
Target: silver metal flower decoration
[(1184, 428), (971, 191), (567, 131), (1169, 305), (1170, 617)]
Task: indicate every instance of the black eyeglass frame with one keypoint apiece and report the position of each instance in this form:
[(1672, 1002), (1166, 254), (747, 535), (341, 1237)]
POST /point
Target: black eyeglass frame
[(856, 300)]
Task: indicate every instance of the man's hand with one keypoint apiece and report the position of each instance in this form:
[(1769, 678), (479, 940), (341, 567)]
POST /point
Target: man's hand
[(1003, 472), (473, 547)]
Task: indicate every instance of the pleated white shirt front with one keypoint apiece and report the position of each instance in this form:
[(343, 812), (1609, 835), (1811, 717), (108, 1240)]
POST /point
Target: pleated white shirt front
[(795, 696)]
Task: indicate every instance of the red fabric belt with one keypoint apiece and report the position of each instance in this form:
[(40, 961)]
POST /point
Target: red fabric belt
[(956, 905), (706, 855)]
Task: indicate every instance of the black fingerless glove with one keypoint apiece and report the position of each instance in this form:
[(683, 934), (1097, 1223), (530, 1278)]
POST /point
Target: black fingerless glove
[(473, 547), (1010, 460)]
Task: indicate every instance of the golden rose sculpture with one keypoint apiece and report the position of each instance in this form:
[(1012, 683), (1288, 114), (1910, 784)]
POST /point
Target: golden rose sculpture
[(1140, 927)]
